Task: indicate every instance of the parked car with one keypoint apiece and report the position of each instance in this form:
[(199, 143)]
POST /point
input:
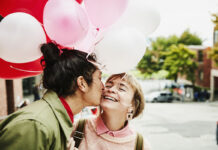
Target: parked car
[(160, 96)]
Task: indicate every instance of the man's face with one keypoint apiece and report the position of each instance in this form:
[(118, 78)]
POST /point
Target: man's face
[(94, 93)]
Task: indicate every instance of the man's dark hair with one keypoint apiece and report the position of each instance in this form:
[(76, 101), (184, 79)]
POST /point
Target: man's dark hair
[(61, 68)]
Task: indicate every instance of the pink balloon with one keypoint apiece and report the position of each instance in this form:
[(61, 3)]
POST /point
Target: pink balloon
[(65, 21), (87, 44), (103, 13), (93, 37)]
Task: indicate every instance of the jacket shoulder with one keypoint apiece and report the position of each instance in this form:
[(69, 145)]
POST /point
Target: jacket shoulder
[(38, 111), (24, 134)]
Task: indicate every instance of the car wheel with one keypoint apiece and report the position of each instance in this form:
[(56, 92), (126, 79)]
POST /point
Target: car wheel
[(155, 100), (169, 101)]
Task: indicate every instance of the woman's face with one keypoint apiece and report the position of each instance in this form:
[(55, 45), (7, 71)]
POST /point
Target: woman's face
[(117, 96), (94, 93)]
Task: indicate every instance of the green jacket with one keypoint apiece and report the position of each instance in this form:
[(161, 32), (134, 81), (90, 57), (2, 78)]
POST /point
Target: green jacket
[(43, 125)]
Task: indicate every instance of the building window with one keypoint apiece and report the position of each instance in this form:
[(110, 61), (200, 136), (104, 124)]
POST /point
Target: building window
[(200, 56), (201, 75), (28, 84)]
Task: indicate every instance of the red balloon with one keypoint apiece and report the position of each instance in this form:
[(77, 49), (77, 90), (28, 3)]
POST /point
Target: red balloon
[(21, 70), (79, 1), (32, 7)]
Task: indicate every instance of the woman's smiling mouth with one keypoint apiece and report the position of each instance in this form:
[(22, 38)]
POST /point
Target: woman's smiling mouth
[(110, 98)]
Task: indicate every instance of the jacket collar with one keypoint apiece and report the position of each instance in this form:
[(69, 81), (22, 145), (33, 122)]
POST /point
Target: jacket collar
[(60, 112)]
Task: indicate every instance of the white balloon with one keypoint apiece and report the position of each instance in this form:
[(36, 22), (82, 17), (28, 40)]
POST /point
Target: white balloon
[(20, 38), (140, 15), (121, 50)]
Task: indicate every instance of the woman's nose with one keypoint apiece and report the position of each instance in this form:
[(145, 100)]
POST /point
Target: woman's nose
[(112, 89)]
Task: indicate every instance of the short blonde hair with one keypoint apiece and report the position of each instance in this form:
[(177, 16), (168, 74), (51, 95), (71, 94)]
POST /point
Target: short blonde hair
[(138, 97)]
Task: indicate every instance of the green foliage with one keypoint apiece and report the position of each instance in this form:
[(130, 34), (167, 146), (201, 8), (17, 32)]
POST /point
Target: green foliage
[(213, 54), (162, 43), (215, 19), (154, 56), (159, 51), (162, 74), (180, 60), (189, 39), (149, 59)]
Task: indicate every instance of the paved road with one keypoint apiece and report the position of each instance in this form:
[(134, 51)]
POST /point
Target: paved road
[(179, 126)]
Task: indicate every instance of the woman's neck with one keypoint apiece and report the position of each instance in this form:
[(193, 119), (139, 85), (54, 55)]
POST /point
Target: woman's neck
[(114, 122)]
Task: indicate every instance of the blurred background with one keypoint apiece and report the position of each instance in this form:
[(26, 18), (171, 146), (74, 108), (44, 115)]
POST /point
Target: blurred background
[(178, 73)]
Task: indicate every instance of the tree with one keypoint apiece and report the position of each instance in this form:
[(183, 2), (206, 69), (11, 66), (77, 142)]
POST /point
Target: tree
[(215, 19), (154, 58), (180, 60), (189, 39), (214, 52), (149, 63)]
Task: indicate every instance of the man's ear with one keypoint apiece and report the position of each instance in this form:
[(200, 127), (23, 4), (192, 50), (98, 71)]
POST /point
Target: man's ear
[(82, 84)]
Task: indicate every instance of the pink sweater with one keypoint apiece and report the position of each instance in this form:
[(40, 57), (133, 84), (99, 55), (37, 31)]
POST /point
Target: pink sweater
[(98, 137)]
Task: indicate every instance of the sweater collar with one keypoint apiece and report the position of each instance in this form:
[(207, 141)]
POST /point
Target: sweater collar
[(68, 109), (101, 128), (60, 112)]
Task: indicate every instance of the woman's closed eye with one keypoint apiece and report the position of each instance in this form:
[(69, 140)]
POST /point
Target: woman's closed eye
[(122, 89), (108, 86)]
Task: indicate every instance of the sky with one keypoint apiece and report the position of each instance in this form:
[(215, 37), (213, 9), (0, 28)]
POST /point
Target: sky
[(178, 15)]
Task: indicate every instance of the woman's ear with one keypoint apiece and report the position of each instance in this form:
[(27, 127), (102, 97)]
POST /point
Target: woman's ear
[(82, 84)]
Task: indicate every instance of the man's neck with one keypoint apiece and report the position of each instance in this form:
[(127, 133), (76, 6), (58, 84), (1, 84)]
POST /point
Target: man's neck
[(75, 102)]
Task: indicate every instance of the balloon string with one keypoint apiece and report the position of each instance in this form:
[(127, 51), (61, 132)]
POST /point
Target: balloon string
[(98, 31), (24, 70), (91, 49), (97, 64)]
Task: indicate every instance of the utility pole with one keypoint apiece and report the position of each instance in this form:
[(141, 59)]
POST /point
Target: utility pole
[(11, 92)]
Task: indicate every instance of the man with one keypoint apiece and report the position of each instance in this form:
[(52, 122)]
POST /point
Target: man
[(72, 82)]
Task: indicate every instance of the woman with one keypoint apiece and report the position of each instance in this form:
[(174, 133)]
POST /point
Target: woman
[(122, 101), (72, 83)]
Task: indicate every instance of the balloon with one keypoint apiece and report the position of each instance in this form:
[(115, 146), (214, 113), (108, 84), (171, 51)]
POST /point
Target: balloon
[(22, 70), (104, 13), (87, 44), (140, 15), (20, 38), (32, 7), (121, 50), (65, 21), (79, 1)]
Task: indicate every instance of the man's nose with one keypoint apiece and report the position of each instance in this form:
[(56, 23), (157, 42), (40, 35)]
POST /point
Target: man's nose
[(102, 85)]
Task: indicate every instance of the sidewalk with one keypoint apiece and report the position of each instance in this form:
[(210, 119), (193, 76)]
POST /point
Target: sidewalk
[(213, 103)]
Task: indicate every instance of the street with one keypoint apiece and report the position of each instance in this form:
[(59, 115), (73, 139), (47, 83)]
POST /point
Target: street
[(179, 126)]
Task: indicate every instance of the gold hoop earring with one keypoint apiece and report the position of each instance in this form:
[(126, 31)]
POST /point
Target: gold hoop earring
[(129, 115)]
